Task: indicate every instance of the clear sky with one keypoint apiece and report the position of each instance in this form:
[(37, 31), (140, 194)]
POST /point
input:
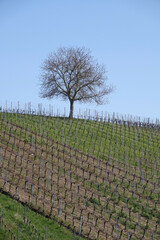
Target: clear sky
[(122, 34)]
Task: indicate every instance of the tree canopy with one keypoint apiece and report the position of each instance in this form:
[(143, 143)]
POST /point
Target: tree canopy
[(73, 74)]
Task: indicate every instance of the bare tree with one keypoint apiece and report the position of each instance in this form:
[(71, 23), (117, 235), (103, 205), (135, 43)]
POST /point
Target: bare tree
[(73, 74)]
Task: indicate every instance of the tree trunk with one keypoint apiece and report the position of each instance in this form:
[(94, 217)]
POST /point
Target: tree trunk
[(71, 109)]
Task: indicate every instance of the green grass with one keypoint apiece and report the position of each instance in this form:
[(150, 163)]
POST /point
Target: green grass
[(3, 234), (94, 201), (14, 219), (127, 143)]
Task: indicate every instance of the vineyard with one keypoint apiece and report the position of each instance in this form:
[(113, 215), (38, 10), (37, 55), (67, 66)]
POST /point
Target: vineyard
[(98, 177)]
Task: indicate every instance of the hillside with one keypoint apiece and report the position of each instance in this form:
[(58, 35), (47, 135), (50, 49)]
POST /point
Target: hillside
[(98, 178)]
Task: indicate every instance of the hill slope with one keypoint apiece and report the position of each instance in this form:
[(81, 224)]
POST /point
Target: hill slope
[(99, 178)]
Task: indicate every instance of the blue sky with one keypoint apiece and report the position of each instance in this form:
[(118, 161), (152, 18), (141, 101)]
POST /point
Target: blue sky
[(124, 35)]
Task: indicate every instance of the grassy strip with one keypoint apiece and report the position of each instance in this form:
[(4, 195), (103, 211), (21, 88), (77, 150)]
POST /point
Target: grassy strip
[(14, 213)]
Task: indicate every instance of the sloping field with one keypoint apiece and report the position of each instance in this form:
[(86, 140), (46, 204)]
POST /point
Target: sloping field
[(17, 221), (99, 178)]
